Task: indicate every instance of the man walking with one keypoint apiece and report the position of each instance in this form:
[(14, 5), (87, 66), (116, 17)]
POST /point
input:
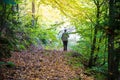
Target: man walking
[(65, 40)]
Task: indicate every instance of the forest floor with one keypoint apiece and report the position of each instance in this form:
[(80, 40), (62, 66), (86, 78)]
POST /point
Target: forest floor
[(42, 65)]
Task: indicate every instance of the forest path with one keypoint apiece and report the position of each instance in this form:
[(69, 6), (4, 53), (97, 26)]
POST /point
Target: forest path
[(42, 65)]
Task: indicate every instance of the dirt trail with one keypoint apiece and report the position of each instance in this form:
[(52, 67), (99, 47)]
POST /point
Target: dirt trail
[(42, 65)]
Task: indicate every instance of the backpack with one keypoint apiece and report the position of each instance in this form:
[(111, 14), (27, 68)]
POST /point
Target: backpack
[(65, 36)]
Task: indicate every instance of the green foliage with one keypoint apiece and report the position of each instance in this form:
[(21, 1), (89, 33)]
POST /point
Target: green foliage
[(2, 63), (5, 48), (9, 1), (99, 76), (81, 47), (76, 79), (6, 29), (100, 72), (10, 64), (75, 61), (7, 64)]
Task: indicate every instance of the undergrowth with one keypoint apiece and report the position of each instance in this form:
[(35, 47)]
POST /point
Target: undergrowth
[(78, 61)]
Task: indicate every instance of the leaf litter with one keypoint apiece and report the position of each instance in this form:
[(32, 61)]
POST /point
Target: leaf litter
[(41, 65)]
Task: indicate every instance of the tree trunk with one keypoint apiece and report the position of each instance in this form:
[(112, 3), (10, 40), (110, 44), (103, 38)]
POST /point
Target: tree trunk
[(113, 60), (90, 64), (17, 6), (92, 49), (111, 56), (33, 12)]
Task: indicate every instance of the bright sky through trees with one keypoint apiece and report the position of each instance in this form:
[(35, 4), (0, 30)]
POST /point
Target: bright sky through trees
[(51, 16)]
